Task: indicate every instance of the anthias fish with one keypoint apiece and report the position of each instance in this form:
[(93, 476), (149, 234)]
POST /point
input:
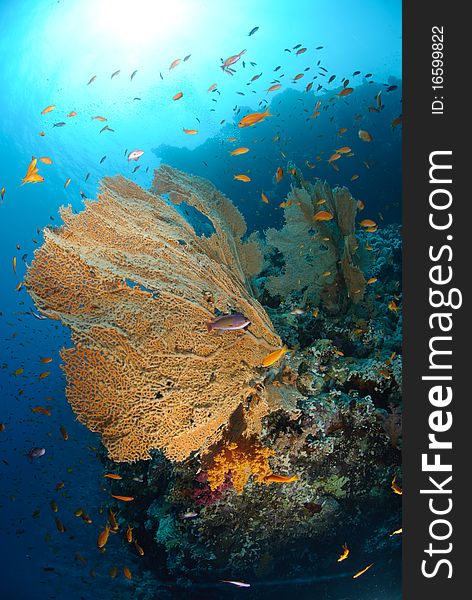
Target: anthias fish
[(254, 118), (135, 154), (281, 478), (273, 357), (229, 322), (344, 553)]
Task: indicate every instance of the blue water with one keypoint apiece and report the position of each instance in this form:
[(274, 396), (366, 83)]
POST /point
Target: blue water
[(50, 50)]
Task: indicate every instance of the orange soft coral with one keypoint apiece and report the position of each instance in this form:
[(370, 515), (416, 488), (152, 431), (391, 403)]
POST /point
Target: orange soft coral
[(243, 460)]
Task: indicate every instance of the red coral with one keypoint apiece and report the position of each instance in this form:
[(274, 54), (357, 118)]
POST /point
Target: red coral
[(203, 495)]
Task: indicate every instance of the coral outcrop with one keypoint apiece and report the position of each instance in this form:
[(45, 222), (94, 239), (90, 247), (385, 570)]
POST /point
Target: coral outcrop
[(136, 285), (321, 256)]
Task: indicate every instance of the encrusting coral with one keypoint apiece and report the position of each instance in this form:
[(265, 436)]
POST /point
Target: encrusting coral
[(320, 256), (136, 285)]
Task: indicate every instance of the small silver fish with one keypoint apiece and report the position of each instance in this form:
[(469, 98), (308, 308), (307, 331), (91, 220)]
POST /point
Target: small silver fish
[(115, 73), (188, 515), (37, 315), (102, 159), (35, 453), (133, 74), (237, 583), (60, 124), (92, 79)]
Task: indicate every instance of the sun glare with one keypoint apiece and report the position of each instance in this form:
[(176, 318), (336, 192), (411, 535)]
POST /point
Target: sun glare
[(143, 23)]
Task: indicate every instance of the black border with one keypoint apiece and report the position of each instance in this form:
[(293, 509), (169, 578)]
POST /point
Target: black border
[(424, 133)]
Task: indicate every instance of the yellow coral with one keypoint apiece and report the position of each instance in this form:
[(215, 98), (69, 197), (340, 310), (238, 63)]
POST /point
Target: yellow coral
[(243, 460), (136, 285)]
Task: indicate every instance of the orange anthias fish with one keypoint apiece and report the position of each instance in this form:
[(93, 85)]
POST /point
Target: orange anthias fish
[(345, 92), (32, 173), (112, 476), (395, 487), (139, 550), (344, 554), (254, 118), (44, 374), (279, 174), (343, 150), (72, 113), (367, 223), (190, 131), (42, 410), (273, 357), (112, 520), (298, 76), (65, 435), (127, 573), (280, 478), (362, 572), (46, 160), (212, 87), (103, 537), (46, 359), (67, 182), (174, 63), (333, 157), (371, 280), (244, 178), (239, 151), (129, 534), (264, 198), (123, 498), (323, 215), (274, 87), (177, 96), (231, 61), (364, 135), (48, 109), (98, 118), (59, 525), (396, 122)]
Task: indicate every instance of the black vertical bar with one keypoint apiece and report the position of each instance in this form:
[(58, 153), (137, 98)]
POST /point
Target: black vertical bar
[(441, 127)]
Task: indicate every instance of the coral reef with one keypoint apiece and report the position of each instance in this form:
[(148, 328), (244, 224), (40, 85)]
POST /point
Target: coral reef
[(321, 256), (136, 284)]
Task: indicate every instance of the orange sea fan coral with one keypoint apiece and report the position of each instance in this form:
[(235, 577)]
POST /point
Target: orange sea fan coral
[(312, 248), (136, 285), (243, 460)]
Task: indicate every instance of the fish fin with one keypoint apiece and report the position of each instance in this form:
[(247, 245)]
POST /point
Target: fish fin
[(209, 326)]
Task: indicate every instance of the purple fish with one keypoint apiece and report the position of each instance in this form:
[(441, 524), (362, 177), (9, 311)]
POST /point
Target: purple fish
[(228, 322), (35, 453)]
